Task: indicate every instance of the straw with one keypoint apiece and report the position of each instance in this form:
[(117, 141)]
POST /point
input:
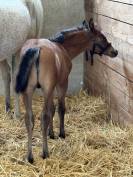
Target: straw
[(92, 148)]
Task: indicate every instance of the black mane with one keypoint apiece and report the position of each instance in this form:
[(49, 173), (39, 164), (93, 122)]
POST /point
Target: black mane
[(61, 36)]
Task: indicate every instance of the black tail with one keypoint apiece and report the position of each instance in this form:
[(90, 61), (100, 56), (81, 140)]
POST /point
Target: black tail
[(27, 61)]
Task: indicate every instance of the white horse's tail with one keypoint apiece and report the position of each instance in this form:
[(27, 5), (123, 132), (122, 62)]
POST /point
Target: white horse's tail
[(37, 17)]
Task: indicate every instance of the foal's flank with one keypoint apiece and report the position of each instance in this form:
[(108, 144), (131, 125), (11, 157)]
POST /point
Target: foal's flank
[(46, 63)]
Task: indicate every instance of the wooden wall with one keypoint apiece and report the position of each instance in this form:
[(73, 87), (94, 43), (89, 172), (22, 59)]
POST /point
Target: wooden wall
[(113, 78)]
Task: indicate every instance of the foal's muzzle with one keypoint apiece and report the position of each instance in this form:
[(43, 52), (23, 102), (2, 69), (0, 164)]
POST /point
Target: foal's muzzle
[(114, 53)]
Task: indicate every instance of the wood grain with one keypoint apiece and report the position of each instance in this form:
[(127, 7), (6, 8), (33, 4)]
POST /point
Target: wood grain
[(113, 78)]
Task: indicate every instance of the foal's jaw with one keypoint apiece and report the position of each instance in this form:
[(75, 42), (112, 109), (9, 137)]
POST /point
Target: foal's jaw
[(111, 53)]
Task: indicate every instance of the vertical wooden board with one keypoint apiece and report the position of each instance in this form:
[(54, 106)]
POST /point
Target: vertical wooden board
[(120, 98), (117, 83), (121, 31), (120, 66), (121, 83), (98, 73), (123, 63), (98, 83), (120, 116), (100, 69), (96, 78)]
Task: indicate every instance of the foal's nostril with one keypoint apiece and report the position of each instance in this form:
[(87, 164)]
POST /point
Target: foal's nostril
[(114, 53)]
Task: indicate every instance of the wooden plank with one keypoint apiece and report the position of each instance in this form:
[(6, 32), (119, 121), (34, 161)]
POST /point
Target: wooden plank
[(121, 83), (121, 12), (113, 77), (121, 31), (123, 114), (92, 81), (123, 63), (100, 76), (116, 79), (119, 98), (129, 2), (111, 92), (118, 65), (119, 115)]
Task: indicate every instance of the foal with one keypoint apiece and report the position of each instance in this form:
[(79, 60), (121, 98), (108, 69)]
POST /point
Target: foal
[(47, 64)]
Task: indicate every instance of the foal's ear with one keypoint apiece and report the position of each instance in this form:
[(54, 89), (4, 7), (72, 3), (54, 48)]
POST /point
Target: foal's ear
[(91, 25)]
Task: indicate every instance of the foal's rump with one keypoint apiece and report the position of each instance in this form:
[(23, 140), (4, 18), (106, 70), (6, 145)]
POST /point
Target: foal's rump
[(28, 60), (44, 64)]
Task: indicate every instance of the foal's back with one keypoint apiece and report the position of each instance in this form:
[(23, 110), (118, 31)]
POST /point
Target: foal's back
[(54, 63)]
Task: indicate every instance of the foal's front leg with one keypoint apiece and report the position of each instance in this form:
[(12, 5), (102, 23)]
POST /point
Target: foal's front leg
[(29, 122), (61, 112), (61, 90)]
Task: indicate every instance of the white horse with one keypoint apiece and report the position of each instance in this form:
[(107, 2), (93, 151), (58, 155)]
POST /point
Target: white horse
[(19, 20)]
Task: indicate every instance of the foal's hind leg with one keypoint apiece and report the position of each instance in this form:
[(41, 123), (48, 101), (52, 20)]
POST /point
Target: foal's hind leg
[(51, 131), (61, 107), (5, 71), (29, 122), (45, 120)]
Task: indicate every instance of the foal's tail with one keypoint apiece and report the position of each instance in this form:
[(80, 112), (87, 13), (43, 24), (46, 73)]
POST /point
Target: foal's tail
[(29, 58)]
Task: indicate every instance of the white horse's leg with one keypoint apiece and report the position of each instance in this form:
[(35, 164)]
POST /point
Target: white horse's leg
[(16, 96), (5, 71)]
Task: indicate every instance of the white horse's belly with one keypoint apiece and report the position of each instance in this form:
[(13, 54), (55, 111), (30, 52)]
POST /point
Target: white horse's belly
[(15, 25)]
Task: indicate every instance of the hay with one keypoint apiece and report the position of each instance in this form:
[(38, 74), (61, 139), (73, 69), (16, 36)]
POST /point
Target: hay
[(92, 147)]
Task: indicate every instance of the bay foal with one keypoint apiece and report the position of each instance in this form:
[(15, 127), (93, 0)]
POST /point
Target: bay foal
[(47, 64)]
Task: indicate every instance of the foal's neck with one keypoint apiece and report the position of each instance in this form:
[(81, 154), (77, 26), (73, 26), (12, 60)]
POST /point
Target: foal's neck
[(77, 43)]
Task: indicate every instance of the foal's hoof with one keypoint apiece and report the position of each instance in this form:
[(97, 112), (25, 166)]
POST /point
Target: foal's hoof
[(30, 160), (45, 155), (51, 134), (62, 135)]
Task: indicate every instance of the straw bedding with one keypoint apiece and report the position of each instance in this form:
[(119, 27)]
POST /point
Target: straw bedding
[(92, 148)]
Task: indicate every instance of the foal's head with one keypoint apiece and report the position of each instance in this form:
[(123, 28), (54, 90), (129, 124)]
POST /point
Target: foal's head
[(100, 44)]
